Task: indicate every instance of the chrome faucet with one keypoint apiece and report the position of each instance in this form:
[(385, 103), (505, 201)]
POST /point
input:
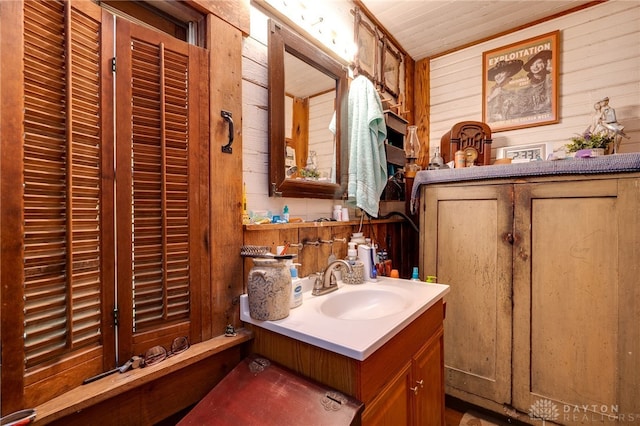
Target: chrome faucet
[(326, 281)]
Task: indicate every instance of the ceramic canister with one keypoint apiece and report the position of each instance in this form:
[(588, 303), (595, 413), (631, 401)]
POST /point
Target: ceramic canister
[(269, 290)]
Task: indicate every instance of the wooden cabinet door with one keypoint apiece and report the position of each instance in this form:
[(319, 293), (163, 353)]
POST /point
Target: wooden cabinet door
[(576, 299), (465, 243), (394, 404), (428, 377)]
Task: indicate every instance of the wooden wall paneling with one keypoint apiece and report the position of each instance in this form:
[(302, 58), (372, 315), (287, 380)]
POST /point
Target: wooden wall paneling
[(309, 253), (300, 131), (202, 310), (339, 233), (290, 236), (235, 12), (225, 198), (11, 251), (409, 92), (395, 250), (409, 251), (377, 232), (314, 257), (422, 108), (325, 249)]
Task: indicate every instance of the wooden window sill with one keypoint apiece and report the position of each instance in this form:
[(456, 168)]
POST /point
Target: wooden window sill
[(108, 387)]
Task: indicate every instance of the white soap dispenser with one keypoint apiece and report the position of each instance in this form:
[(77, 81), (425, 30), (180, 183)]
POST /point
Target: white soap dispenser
[(296, 287), (352, 253)]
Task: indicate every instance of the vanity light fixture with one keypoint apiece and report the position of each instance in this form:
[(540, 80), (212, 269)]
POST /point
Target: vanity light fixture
[(334, 32)]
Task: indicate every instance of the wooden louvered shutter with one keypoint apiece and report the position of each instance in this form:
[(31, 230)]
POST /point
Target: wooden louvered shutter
[(66, 276), (157, 172)]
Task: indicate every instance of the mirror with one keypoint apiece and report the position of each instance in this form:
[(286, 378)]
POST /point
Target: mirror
[(306, 88)]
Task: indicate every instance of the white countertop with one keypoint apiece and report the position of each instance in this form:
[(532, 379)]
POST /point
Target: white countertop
[(353, 338)]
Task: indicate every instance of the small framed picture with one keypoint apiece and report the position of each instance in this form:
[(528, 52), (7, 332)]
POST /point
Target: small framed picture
[(391, 60), (367, 55), (524, 153)]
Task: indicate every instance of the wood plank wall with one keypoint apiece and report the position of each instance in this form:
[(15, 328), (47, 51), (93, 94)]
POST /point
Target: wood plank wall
[(393, 235), (599, 56)]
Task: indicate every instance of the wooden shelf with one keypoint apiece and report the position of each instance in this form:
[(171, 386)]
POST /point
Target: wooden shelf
[(327, 224), (85, 396)]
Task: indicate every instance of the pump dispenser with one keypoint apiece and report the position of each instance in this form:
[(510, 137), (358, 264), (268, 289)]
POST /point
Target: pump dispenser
[(296, 287), (352, 253)]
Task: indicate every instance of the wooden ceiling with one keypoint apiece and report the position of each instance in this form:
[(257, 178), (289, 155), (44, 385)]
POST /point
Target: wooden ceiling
[(428, 28)]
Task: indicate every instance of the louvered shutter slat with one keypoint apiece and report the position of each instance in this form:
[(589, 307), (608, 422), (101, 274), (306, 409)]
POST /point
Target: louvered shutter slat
[(160, 185), (62, 182)]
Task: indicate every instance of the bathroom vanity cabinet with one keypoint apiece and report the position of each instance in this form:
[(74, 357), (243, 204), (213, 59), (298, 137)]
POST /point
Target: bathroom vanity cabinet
[(544, 300), (415, 395), (400, 383)]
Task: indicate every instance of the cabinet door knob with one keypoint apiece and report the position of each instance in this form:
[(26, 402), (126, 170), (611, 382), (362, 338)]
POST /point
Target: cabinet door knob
[(510, 239), (415, 390), (420, 382)]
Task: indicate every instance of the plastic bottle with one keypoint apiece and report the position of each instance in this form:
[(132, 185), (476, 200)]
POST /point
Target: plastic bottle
[(285, 214), (414, 274), (352, 253), (245, 216), (345, 214), (337, 212), (296, 288)]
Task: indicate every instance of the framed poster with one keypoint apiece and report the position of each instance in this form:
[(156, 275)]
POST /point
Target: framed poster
[(520, 84), (367, 54), (391, 60)]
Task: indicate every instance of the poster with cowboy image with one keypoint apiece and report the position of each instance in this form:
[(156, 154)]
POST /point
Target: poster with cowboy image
[(520, 84)]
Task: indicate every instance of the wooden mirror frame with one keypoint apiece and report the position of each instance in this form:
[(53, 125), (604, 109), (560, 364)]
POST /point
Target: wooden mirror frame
[(283, 40)]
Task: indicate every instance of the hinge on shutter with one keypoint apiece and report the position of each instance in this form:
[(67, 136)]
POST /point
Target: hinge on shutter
[(113, 64), (116, 316)]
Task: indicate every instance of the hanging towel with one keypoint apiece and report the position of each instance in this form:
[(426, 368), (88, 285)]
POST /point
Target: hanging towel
[(332, 129), (367, 158)]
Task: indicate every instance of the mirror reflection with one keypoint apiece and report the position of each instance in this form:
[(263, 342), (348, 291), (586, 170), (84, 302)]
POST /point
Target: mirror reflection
[(307, 118), (309, 113)]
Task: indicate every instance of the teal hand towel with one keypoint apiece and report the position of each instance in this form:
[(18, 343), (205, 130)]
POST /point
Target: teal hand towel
[(367, 158)]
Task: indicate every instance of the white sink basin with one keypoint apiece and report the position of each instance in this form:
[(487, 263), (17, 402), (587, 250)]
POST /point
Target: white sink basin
[(364, 305), (354, 320)]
